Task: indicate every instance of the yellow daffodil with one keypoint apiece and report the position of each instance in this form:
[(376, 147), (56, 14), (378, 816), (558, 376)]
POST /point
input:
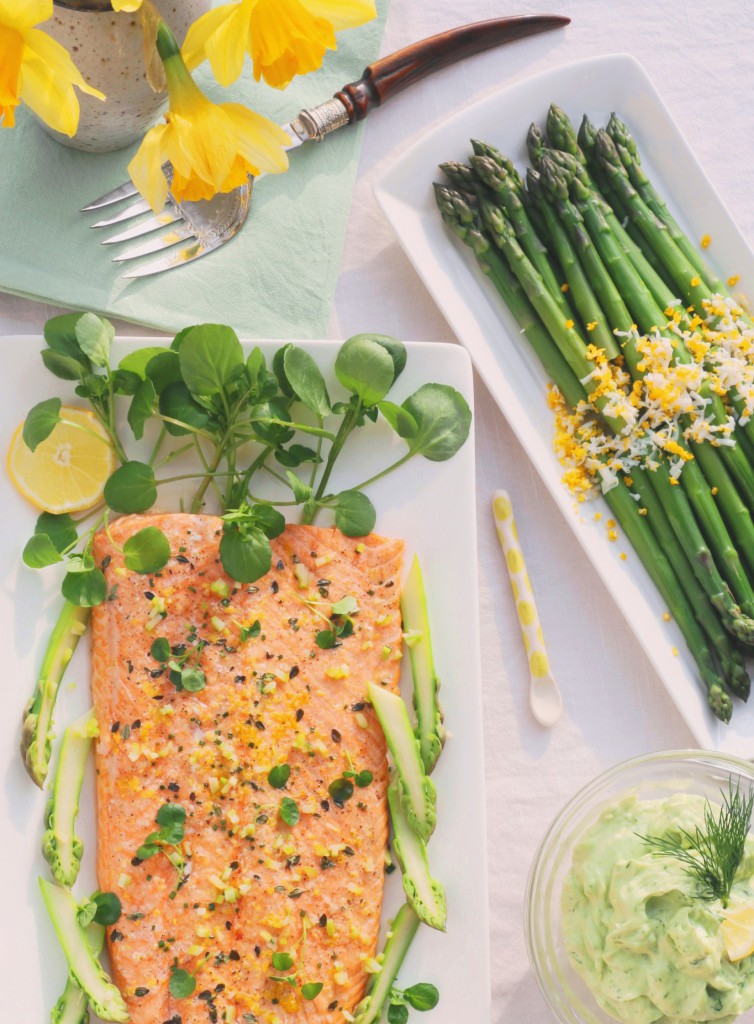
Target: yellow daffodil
[(126, 5), (212, 147), (284, 38), (36, 69)]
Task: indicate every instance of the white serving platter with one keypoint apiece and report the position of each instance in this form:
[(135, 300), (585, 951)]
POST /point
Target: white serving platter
[(511, 371), (431, 506)]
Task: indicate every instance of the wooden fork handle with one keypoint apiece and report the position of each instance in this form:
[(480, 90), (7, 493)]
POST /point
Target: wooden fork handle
[(394, 73)]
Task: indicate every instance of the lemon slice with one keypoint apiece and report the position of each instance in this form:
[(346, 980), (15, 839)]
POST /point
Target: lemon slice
[(67, 471), (738, 931)]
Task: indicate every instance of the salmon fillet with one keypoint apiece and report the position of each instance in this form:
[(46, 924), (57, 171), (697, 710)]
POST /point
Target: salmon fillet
[(253, 885)]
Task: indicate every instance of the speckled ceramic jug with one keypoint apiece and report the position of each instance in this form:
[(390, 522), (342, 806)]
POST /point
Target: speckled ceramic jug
[(107, 49)]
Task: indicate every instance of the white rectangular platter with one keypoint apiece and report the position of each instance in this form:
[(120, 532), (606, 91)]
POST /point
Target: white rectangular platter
[(510, 370), (431, 506)]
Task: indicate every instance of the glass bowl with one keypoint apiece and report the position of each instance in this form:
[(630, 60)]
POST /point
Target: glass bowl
[(651, 777)]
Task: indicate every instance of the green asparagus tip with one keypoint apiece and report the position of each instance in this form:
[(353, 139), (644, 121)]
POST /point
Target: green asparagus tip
[(554, 179), (535, 143), (607, 153), (720, 703), (738, 681), (587, 135), (491, 173)]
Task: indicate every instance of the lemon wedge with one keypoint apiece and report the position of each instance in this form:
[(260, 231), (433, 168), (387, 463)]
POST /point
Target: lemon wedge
[(738, 931), (68, 470)]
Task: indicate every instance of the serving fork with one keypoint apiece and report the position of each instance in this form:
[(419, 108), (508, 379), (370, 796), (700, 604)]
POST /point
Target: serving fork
[(207, 225)]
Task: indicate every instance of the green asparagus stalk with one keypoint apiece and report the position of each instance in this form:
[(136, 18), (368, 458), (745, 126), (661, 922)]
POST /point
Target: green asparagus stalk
[(61, 847), (622, 505), (36, 735), (628, 152), (73, 1006), (425, 895), (429, 718), (399, 938)]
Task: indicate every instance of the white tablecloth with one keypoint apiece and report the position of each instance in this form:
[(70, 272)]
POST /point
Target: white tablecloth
[(700, 56)]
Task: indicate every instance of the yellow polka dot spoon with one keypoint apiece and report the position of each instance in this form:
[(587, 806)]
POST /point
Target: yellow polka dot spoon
[(544, 695)]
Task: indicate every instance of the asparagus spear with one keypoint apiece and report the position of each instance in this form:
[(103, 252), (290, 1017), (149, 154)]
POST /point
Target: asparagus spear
[(417, 789), (36, 735), (429, 718), (622, 505), (629, 155), (424, 893), (73, 1006), (61, 847), (400, 935)]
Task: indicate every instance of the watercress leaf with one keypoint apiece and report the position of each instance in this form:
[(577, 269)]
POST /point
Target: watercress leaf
[(181, 984), (40, 552), (311, 989), (295, 454), (177, 403), (61, 529), (270, 521), (95, 336), (131, 488), (306, 380), (80, 563), (108, 908), (177, 341), (160, 649), (364, 779), (402, 422), (354, 514), (278, 368), (92, 385), (250, 632), (392, 345), (246, 556), (147, 850), (272, 433), (422, 996), (62, 366), (365, 368), (60, 335), (289, 811), (171, 818), (193, 680), (301, 491), (279, 775), (175, 678), (443, 419), (124, 382), (86, 913), (397, 1013), (340, 790), (163, 369), (140, 409), (282, 961), (347, 605), (256, 368), (85, 589), (211, 358), (326, 639), (147, 551), (137, 362), (41, 421)]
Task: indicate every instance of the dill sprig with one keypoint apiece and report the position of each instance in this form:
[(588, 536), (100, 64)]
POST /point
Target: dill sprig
[(712, 855)]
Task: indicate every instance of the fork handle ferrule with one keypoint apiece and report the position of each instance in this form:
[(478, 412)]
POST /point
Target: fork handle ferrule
[(319, 121)]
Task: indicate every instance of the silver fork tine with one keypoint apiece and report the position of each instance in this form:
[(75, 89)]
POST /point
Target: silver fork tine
[(130, 211), (145, 226), (179, 233), (121, 192), (177, 258)]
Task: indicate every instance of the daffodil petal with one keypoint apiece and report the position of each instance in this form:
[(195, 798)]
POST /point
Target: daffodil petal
[(226, 47), (342, 13), (12, 50), (25, 14), (260, 141), (52, 98), (146, 167), (208, 142), (126, 5), (194, 49), (286, 40), (58, 60)]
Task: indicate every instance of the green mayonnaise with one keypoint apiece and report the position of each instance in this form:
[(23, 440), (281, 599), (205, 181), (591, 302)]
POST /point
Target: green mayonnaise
[(637, 932)]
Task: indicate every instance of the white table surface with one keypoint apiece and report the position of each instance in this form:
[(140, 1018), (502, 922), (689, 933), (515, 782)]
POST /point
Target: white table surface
[(700, 58)]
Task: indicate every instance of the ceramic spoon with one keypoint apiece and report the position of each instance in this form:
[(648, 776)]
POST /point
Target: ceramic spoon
[(544, 696)]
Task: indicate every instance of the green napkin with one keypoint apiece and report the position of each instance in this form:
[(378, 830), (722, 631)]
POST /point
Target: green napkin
[(276, 279)]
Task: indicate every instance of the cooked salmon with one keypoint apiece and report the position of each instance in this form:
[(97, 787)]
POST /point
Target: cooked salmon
[(252, 886)]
